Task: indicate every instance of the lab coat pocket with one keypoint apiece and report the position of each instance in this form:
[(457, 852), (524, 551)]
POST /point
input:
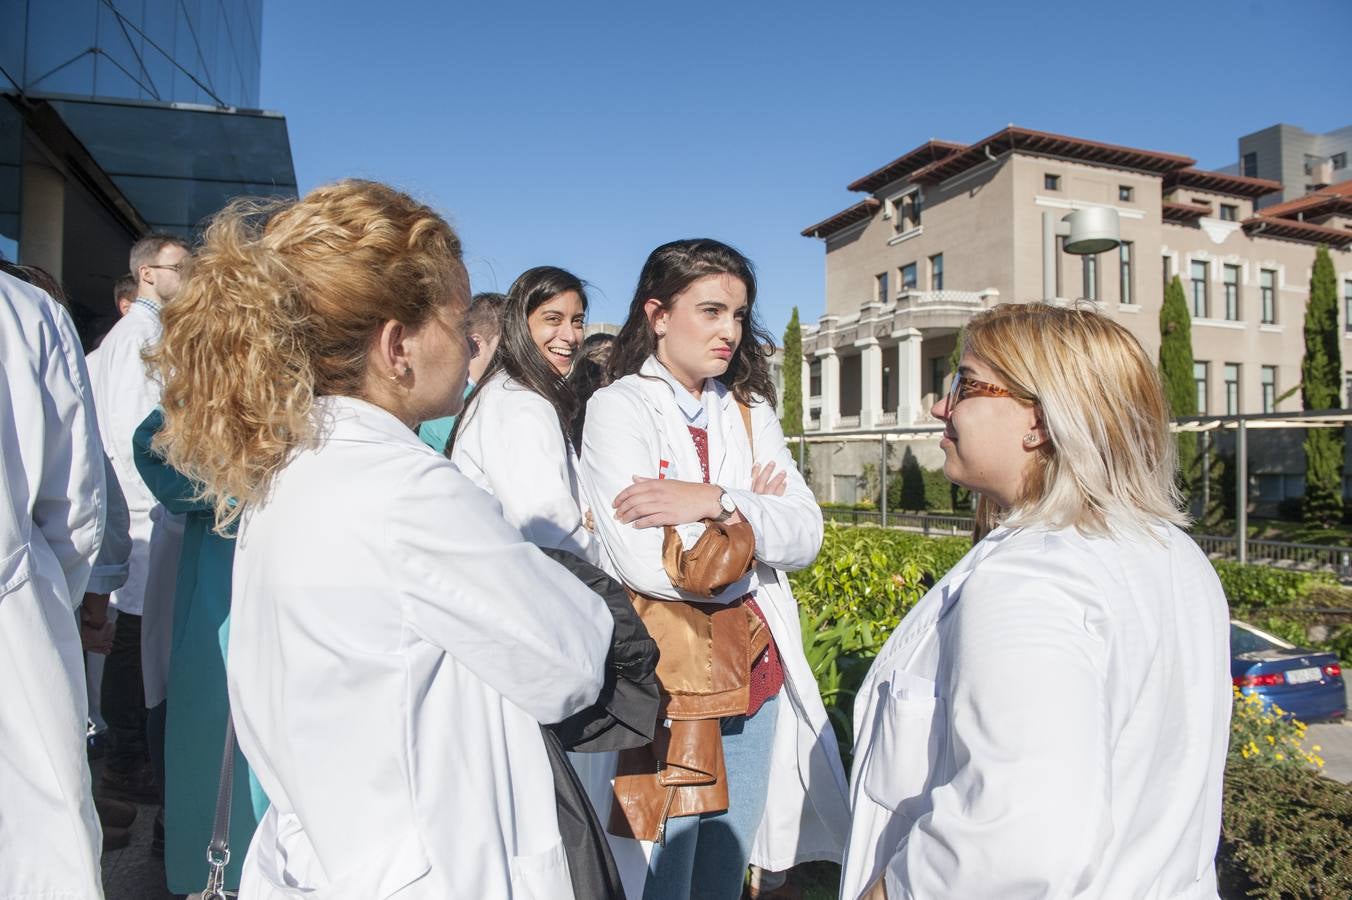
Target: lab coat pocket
[(15, 570), (906, 741), (542, 876)]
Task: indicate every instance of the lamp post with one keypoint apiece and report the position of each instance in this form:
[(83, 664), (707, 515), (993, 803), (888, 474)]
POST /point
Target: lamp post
[(1086, 231)]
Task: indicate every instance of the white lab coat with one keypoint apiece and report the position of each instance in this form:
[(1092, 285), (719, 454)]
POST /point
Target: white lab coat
[(511, 445), (632, 425), (51, 525), (1050, 720), (389, 664), (124, 394)]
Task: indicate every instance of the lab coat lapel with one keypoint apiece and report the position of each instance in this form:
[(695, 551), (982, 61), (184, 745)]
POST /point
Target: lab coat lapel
[(678, 447), (725, 421)]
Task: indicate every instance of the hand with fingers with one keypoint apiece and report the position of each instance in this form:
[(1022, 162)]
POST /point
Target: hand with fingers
[(764, 480), (652, 502)]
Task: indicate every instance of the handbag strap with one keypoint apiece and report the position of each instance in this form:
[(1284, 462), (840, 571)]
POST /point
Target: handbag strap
[(218, 850), (746, 422)]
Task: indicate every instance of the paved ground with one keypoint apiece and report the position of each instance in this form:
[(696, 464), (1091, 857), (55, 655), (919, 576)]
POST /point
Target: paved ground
[(1335, 743)]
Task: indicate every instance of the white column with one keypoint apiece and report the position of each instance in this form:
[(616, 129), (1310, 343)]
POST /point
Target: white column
[(830, 418), (908, 376), (871, 378)]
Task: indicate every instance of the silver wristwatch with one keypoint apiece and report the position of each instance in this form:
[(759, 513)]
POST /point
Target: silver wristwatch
[(729, 507)]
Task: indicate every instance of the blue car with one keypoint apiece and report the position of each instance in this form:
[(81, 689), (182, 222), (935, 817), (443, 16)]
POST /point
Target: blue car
[(1306, 684)]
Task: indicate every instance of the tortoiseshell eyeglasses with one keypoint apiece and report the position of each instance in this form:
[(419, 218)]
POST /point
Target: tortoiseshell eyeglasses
[(965, 386)]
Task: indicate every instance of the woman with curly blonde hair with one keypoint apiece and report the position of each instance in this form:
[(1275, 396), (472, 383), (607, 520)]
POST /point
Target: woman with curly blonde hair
[(388, 670), (1051, 719)]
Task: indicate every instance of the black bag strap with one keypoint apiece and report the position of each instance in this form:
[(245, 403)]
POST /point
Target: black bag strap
[(218, 851)]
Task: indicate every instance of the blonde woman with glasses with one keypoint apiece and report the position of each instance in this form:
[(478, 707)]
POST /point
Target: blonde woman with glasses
[(1051, 719)]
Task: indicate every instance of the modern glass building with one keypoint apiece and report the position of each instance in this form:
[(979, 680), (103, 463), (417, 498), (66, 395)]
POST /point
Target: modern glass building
[(119, 117)]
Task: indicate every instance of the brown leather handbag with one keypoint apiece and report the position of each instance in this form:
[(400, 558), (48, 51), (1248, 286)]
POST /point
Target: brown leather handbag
[(707, 650)]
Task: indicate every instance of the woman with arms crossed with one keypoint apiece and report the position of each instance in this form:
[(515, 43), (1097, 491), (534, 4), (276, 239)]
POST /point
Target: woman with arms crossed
[(1051, 719), (667, 444), (388, 666)]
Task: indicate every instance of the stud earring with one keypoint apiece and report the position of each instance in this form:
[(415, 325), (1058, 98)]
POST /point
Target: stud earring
[(1029, 439), (662, 333), (397, 375)]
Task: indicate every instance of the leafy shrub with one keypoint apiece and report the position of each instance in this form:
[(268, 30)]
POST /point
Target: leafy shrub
[(1285, 832), (1253, 586)]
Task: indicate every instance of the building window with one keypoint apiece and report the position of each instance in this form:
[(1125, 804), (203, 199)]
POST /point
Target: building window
[(1124, 273), (1199, 373), (908, 277), (1060, 252), (881, 279), (1230, 274), (1250, 165), (1347, 383), (814, 378), (1125, 193), (1229, 212), (1168, 269), (1051, 182), (1347, 306), (1339, 160), (1269, 383), (906, 212), (1311, 163), (1267, 288), (1231, 373), (937, 272), (1089, 264), (1199, 290), (938, 366)]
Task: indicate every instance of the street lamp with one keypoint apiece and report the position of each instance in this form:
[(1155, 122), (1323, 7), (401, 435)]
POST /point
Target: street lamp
[(1086, 231)]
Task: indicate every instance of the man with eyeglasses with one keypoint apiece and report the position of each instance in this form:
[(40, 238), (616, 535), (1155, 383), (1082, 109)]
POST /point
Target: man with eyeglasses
[(124, 394)]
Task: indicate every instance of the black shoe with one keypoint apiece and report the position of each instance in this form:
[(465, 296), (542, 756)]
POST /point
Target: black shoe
[(157, 835), (115, 813), (136, 786), (116, 838)]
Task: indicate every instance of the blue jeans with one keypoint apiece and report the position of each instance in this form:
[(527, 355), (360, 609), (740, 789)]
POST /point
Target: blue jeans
[(705, 856)]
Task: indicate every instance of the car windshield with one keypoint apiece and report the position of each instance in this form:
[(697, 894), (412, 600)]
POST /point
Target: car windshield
[(1247, 640)]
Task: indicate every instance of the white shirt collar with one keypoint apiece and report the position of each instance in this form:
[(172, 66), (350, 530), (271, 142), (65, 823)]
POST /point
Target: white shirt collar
[(691, 407)]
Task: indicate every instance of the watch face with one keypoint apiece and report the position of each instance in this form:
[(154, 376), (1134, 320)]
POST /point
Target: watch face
[(726, 502)]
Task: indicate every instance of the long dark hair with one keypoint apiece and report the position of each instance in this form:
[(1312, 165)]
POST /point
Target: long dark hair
[(517, 354), (672, 268)]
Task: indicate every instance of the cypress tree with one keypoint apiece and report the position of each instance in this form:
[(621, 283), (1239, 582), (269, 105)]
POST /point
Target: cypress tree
[(1321, 374), (791, 417), (1176, 369)]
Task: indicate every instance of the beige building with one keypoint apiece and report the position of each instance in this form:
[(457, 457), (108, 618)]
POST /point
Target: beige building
[(949, 229)]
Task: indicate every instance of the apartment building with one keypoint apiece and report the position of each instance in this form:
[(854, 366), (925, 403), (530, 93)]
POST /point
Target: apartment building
[(949, 229)]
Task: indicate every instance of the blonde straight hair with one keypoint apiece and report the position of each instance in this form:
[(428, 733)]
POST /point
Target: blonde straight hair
[(1109, 463)]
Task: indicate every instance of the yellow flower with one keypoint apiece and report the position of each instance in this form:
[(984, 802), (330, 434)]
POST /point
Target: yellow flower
[(1316, 748), (1271, 739), (1281, 756)]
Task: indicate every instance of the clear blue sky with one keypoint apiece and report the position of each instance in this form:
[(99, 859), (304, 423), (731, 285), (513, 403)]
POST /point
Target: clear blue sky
[(585, 134)]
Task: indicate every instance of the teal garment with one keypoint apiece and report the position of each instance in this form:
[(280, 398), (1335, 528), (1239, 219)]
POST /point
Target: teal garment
[(197, 702), (437, 432)]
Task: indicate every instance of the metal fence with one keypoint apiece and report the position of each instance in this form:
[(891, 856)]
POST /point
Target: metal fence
[(1281, 554)]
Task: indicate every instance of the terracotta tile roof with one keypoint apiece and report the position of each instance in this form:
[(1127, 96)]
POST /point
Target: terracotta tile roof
[(1184, 212), (1269, 226), (903, 165), (1047, 144), (862, 210), (1336, 198), (1221, 183)]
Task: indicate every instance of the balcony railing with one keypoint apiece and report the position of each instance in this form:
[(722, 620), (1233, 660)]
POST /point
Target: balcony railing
[(972, 299)]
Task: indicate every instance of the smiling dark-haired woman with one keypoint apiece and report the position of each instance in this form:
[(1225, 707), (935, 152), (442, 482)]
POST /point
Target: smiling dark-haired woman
[(512, 439), (688, 433)]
